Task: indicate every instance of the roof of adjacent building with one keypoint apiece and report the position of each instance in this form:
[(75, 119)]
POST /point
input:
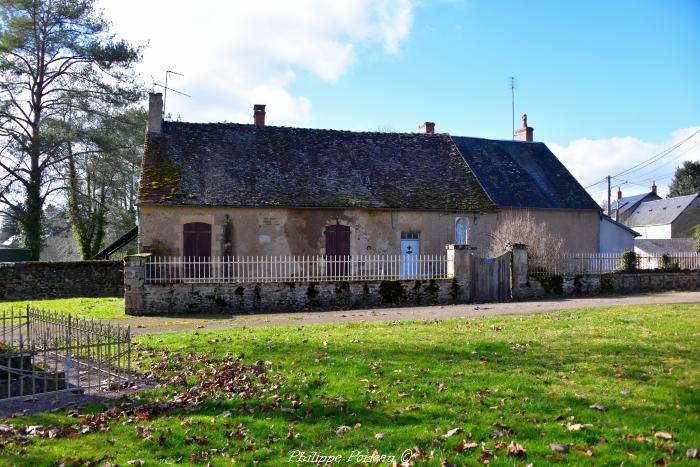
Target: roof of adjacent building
[(661, 211), (240, 165), (523, 175), (606, 218), (666, 245), (631, 202)]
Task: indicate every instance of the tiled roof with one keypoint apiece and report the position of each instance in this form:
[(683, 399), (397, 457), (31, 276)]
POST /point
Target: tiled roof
[(666, 245), (660, 212), (523, 175), (247, 165), (631, 202)]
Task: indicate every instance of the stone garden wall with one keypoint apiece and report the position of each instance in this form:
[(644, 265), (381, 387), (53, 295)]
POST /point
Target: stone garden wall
[(61, 279)]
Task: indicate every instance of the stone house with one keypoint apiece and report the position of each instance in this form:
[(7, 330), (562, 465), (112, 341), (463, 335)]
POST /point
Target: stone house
[(666, 218), (623, 207), (251, 189)]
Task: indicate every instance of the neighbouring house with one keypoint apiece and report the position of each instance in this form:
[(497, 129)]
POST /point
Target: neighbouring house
[(615, 236), (622, 208), (666, 218), (252, 189)]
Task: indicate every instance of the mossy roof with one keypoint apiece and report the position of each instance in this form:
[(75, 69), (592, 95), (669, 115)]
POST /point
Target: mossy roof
[(266, 166)]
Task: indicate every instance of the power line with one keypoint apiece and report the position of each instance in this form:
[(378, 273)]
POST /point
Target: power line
[(656, 156)]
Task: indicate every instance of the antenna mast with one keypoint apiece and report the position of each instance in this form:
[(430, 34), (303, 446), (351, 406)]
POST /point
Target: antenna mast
[(166, 88), (512, 84)]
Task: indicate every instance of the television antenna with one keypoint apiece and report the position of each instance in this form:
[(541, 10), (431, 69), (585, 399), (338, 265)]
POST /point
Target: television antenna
[(512, 84), (166, 88)]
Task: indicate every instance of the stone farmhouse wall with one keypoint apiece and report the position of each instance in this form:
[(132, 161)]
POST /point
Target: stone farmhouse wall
[(143, 298), (61, 279), (526, 287)]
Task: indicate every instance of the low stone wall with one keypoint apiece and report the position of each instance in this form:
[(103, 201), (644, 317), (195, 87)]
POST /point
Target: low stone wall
[(61, 279), (290, 296), (616, 283)]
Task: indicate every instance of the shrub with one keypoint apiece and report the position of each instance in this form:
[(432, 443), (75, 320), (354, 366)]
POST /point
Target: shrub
[(696, 235), (628, 261), (667, 262), (522, 228)]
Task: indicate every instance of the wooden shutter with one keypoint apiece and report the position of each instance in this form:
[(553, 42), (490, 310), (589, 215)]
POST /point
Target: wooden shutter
[(196, 248), (337, 249)]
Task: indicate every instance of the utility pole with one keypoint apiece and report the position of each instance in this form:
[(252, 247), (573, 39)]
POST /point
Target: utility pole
[(609, 211)]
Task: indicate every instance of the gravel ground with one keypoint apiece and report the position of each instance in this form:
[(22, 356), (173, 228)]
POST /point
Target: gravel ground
[(145, 325)]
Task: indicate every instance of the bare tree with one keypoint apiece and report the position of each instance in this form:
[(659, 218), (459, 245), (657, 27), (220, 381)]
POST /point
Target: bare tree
[(521, 227)]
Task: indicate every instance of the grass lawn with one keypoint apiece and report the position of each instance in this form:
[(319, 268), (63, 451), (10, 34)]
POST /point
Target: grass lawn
[(387, 387), (102, 308)]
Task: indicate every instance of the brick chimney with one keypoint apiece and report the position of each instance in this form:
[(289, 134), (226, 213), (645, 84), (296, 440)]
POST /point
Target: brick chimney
[(259, 114), (155, 113), (619, 193), (427, 128), (524, 133), (653, 187)]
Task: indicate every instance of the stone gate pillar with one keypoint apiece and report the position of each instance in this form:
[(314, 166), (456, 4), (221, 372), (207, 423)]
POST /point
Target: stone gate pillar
[(518, 271), (459, 267), (134, 280)]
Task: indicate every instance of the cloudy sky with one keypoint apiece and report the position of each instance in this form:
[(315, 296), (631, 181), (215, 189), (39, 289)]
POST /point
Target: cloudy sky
[(606, 85)]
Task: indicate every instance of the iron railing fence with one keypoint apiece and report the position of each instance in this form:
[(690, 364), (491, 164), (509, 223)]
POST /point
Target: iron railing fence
[(604, 263), (223, 269), (47, 352)]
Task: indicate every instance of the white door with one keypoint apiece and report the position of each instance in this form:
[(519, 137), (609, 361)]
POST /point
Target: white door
[(410, 249)]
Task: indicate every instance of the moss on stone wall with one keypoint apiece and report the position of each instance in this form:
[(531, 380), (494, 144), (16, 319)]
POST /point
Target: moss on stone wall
[(391, 291), (552, 284), (606, 283)]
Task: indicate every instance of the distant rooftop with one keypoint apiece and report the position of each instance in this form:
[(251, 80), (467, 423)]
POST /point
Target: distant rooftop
[(660, 212)]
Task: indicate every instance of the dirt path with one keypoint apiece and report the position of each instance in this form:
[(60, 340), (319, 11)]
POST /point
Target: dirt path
[(174, 323)]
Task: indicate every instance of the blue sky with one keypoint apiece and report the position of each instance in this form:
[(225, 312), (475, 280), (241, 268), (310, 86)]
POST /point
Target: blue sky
[(584, 69), (605, 84)]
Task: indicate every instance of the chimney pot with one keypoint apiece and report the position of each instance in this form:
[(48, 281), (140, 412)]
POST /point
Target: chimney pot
[(653, 187), (427, 128), (619, 193), (524, 133), (155, 113), (259, 114)]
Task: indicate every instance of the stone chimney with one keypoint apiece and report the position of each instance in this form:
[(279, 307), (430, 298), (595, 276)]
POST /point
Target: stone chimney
[(259, 114), (653, 187), (427, 128), (155, 113), (524, 133), (619, 193)]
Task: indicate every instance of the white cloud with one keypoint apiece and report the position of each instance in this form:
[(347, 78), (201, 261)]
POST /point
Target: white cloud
[(237, 53), (590, 160)]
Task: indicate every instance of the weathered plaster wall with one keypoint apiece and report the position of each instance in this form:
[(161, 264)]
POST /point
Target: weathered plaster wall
[(61, 279), (578, 229), (285, 231), (614, 238), (300, 231)]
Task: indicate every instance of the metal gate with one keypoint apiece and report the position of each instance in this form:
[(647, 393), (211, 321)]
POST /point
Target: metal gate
[(490, 278)]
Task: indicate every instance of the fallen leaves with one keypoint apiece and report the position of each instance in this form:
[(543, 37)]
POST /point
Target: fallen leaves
[(380, 436), (562, 448), (408, 408), (663, 435), (452, 432), (515, 450), (578, 426), (599, 407), (465, 445)]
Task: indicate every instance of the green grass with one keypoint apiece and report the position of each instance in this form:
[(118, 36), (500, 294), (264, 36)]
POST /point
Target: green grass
[(533, 374), (102, 308)]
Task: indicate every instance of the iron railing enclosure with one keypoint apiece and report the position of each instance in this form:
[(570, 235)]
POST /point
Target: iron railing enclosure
[(605, 263), (234, 269), (48, 352)]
